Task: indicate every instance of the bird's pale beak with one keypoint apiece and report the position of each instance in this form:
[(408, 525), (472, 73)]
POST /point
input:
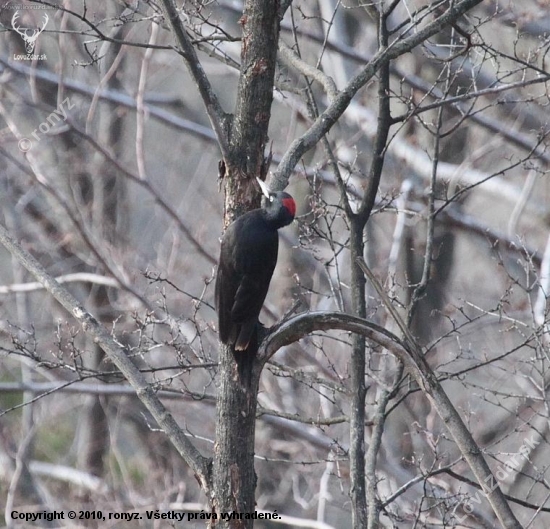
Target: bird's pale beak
[(263, 186)]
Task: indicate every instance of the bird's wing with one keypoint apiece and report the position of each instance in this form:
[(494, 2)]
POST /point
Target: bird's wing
[(250, 296), (258, 256), (224, 295)]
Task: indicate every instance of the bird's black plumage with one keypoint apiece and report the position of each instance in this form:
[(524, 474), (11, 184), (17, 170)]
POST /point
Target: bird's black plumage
[(248, 257)]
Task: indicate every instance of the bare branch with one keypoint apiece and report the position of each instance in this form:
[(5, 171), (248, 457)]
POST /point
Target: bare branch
[(329, 117), (69, 475), (84, 277), (199, 464), (306, 69), (301, 325), (218, 118)]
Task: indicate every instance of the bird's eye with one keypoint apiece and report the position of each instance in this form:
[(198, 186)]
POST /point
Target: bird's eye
[(271, 198)]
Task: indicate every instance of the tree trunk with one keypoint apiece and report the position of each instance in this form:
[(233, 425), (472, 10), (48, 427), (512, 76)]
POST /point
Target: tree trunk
[(357, 404), (234, 479)]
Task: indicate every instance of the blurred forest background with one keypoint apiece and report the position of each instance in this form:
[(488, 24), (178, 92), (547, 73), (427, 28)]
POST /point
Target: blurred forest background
[(117, 194)]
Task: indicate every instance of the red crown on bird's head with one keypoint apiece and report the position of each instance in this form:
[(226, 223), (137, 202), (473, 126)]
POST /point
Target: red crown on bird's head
[(290, 205)]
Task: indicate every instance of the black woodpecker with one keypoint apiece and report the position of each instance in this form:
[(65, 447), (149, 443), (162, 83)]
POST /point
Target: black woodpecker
[(248, 257)]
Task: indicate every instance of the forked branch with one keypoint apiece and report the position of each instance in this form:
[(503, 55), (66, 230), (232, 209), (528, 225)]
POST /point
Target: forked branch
[(301, 325)]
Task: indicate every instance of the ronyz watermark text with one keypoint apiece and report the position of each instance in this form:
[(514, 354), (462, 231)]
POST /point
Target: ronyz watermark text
[(59, 114), (503, 471)]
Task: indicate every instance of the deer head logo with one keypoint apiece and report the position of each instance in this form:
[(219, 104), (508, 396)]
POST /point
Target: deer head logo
[(29, 34)]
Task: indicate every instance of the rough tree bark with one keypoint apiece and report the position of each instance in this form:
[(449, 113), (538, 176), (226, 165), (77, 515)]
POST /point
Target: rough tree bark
[(242, 138), (357, 367), (234, 479)]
